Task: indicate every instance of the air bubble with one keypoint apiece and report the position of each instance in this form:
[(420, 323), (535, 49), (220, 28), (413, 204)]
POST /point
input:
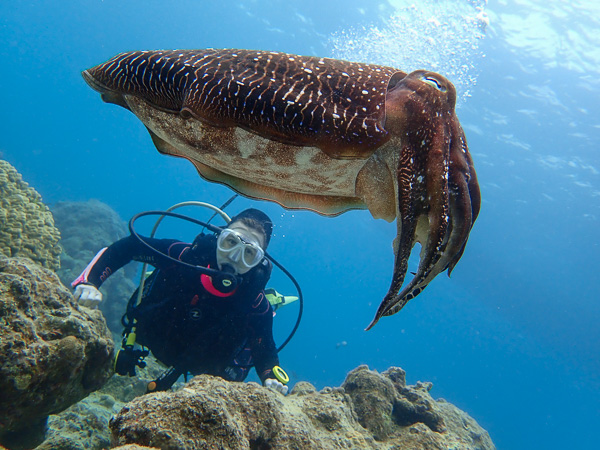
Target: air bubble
[(442, 36)]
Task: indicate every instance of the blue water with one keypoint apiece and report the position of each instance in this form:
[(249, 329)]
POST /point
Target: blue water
[(513, 337)]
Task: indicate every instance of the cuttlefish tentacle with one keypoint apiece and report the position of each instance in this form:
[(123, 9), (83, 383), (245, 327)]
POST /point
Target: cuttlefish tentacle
[(406, 223), (464, 199), (463, 203), (419, 106), (475, 197)]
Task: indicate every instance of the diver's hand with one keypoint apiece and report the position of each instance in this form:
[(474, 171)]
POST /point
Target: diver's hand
[(276, 385), (87, 295)]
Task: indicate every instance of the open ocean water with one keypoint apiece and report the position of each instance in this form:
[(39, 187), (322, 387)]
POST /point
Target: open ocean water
[(513, 338)]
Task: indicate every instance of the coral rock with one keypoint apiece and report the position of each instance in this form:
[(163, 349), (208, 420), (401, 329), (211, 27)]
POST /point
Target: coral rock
[(372, 399), (52, 352), (26, 224), (371, 410)]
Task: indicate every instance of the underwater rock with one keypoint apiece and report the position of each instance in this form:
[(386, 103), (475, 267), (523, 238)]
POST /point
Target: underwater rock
[(84, 425), (53, 352), (370, 410), (26, 224), (87, 227), (372, 399)]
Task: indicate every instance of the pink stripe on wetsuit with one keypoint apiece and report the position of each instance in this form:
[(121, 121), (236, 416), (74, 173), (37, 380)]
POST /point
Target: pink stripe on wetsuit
[(83, 278)]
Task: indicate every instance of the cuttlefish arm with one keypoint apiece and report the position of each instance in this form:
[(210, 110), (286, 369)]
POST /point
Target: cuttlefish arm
[(437, 195)]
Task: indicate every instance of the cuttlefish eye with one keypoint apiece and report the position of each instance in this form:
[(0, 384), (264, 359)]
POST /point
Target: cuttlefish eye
[(432, 81)]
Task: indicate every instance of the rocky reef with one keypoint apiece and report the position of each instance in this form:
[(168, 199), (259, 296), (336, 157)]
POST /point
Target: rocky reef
[(369, 411), (87, 227), (26, 224), (53, 352)]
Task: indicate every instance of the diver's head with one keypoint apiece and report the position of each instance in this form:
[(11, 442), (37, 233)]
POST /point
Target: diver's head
[(242, 244)]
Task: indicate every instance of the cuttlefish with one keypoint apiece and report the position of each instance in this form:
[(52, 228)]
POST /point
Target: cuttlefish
[(314, 133)]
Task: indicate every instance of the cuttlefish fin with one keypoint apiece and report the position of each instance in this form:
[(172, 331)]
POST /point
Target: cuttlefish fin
[(163, 146), (323, 204), (376, 187)]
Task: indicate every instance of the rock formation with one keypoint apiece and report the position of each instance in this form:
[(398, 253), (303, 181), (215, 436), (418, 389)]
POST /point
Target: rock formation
[(85, 424), (53, 353), (369, 411), (26, 224)]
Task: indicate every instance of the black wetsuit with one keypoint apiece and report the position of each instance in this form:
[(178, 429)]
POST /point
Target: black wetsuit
[(184, 320)]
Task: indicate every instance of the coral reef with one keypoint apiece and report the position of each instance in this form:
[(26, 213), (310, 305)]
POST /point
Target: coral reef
[(26, 224), (370, 410), (53, 353), (86, 227)]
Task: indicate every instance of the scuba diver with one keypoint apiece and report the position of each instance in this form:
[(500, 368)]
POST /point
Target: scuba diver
[(192, 321)]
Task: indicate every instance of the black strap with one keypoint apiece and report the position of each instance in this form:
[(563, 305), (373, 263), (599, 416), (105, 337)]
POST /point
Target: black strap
[(165, 380)]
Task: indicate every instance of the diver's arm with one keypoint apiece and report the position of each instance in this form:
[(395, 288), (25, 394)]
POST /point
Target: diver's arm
[(265, 356), (112, 258), (264, 351)]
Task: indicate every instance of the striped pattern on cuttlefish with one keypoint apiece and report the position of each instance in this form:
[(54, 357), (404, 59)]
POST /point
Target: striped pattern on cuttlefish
[(314, 133)]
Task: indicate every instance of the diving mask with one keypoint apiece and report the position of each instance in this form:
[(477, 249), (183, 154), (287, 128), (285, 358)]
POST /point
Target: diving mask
[(237, 250)]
